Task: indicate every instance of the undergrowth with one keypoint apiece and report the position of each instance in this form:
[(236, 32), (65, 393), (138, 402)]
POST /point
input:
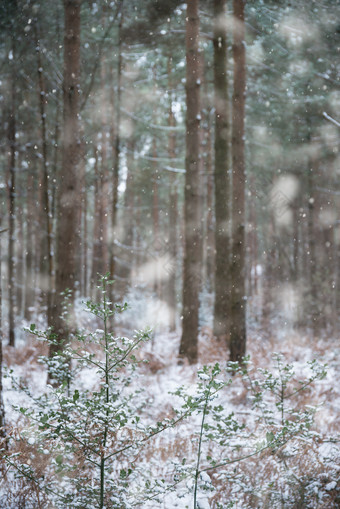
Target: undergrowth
[(107, 446)]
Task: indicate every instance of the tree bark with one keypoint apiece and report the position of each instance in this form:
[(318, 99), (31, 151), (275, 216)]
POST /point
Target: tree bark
[(30, 240), (116, 163), (313, 268), (238, 276), (46, 259), (172, 272), (192, 257), (11, 132), (67, 236), (2, 407), (128, 219), (222, 186)]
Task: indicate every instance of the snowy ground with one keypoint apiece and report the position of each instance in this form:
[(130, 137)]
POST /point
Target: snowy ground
[(163, 374)]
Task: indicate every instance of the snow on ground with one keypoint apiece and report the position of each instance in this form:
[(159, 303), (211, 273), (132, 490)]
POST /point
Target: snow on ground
[(163, 375)]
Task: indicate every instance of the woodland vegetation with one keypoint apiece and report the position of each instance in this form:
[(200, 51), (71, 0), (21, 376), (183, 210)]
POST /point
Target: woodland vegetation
[(189, 152)]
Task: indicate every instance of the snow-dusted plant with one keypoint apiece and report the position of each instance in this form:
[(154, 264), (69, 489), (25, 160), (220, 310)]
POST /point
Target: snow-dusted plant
[(85, 447), (277, 424), (89, 439), (283, 430)]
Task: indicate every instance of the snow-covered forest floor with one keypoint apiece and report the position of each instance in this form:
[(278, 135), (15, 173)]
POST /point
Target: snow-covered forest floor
[(302, 473)]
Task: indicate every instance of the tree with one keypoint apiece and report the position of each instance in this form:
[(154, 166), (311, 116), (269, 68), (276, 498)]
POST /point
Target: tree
[(192, 224), (11, 132), (238, 274), (173, 213), (46, 259), (67, 237), (2, 407), (222, 189), (116, 138)]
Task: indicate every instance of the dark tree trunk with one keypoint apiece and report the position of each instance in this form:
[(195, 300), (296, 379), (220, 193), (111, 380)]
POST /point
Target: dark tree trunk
[(11, 224), (192, 255), (222, 188), (31, 243), (2, 407), (67, 237), (238, 275), (209, 228)]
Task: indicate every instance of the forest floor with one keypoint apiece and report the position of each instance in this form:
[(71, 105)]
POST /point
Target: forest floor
[(309, 474)]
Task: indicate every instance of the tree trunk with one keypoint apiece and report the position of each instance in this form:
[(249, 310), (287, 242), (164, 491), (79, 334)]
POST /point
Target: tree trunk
[(209, 232), (192, 258), (31, 242), (155, 219), (67, 237), (128, 219), (238, 298), (313, 268), (11, 226), (96, 251), (46, 260), (172, 272), (222, 189), (116, 163), (2, 407)]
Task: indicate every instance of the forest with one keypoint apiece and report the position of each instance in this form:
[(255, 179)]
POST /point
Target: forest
[(169, 254)]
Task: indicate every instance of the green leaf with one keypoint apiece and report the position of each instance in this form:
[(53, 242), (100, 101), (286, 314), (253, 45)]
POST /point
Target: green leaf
[(270, 437), (59, 460), (75, 396)]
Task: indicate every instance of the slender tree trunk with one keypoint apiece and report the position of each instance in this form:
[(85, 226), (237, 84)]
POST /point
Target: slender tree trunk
[(238, 275), (192, 255), (313, 269), (222, 187), (268, 278), (67, 237), (116, 163), (100, 249), (253, 242), (128, 219), (209, 233), (11, 220), (19, 250), (96, 251), (104, 178), (172, 272), (30, 243), (46, 259), (2, 406), (296, 241), (85, 239), (155, 217)]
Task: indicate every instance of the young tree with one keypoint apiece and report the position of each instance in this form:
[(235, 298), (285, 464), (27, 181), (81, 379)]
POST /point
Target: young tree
[(222, 282), (192, 258), (67, 237), (238, 274)]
